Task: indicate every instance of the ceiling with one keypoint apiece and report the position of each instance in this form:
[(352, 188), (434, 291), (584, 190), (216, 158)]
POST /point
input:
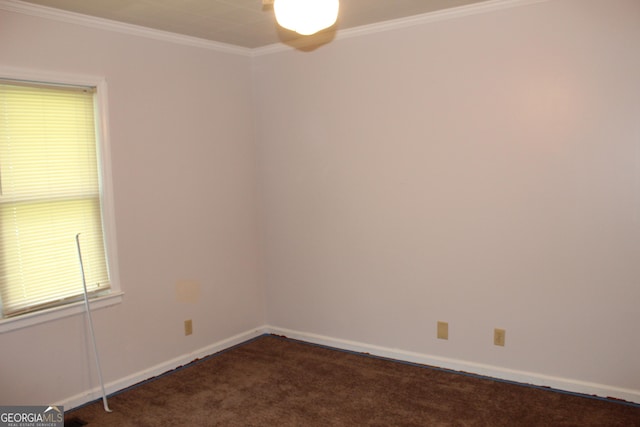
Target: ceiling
[(245, 23)]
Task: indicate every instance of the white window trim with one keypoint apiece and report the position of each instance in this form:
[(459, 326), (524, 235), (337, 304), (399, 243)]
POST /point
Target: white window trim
[(108, 213), (55, 313)]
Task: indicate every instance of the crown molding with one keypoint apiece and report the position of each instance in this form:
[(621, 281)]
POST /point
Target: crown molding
[(119, 27), (410, 21), (136, 30)]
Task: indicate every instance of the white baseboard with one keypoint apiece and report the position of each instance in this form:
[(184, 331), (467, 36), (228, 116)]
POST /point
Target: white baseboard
[(523, 377), (122, 383), (561, 384)]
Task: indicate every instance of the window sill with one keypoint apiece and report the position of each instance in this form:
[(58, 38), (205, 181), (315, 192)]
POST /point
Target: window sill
[(11, 324)]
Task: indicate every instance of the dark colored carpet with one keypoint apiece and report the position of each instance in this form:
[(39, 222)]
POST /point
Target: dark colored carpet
[(272, 381)]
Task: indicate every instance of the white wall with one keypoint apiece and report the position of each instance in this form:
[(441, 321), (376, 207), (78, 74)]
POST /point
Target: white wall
[(483, 171), (185, 204)]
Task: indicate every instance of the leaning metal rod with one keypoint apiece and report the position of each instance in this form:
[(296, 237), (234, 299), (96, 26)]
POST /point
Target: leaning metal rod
[(93, 335)]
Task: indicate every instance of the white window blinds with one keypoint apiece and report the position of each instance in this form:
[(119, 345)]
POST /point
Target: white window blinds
[(49, 192)]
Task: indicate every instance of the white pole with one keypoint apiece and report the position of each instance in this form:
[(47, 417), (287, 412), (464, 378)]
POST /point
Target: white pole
[(93, 335)]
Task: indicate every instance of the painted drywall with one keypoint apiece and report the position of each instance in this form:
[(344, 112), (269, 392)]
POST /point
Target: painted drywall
[(483, 171), (183, 165)]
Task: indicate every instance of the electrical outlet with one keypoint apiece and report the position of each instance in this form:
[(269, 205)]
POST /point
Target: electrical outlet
[(443, 330), (499, 337), (188, 327)]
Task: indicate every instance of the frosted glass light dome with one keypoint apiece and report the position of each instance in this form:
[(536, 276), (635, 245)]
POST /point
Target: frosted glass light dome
[(306, 17)]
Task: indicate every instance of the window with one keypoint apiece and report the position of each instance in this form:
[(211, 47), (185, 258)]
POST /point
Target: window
[(50, 191)]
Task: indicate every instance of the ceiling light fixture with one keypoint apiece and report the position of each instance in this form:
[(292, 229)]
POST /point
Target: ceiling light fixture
[(306, 17)]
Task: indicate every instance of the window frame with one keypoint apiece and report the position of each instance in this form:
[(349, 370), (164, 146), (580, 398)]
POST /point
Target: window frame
[(115, 296)]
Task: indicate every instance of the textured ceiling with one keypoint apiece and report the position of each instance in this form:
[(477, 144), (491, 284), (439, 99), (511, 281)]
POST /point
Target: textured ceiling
[(245, 23)]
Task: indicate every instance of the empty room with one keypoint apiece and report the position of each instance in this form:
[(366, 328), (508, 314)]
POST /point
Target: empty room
[(423, 188)]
